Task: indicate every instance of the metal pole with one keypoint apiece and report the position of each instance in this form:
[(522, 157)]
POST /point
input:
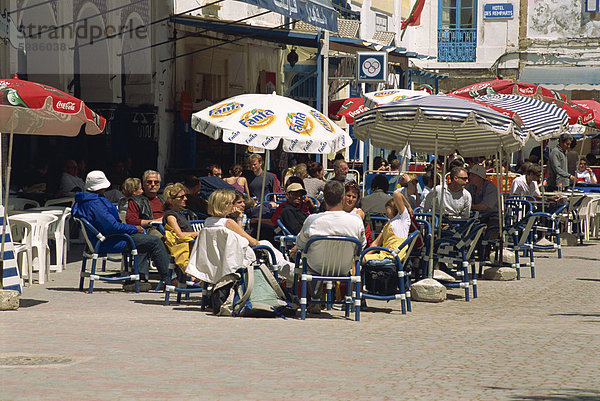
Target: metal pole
[(262, 194)]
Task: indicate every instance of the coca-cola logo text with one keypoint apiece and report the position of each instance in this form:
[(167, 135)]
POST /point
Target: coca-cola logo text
[(65, 105)]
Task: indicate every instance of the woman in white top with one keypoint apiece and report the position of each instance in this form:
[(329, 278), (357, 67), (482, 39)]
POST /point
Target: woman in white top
[(221, 204), (396, 230), (584, 173)]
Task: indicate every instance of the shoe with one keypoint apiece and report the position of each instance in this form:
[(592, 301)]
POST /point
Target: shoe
[(129, 286), (314, 309)]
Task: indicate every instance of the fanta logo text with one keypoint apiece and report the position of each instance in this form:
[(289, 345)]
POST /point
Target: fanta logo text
[(321, 119), (257, 118), (307, 146), (251, 138), (384, 93), (233, 136), (65, 105), (267, 141), (299, 123), (293, 144), (322, 147), (225, 109)]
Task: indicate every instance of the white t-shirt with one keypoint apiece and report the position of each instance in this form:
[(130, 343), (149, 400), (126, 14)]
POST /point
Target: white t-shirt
[(519, 186), (400, 224), (456, 204), (326, 224), (584, 176)]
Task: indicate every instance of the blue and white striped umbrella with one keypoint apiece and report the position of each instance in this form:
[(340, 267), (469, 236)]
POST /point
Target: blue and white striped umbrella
[(540, 119), (459, 125)]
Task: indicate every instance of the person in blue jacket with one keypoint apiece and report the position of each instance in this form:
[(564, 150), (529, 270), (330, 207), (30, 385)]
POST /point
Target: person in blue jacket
[(104, 216)]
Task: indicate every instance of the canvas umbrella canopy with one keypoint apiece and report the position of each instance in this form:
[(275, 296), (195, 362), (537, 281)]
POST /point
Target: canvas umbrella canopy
[(539, 119), (36, 109), (442, 124), (263, 121), (576, 113), (460, 125), (378, 98), (590, 105), (346, 108)]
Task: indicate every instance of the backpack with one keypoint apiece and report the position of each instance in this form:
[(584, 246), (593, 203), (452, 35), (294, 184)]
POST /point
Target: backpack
[(380, 277), (250, 292)]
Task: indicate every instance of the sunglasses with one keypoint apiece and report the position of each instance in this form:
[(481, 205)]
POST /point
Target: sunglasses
[(180, 197)]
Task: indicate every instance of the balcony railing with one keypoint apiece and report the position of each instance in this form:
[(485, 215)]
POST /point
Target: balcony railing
[(457, 45)]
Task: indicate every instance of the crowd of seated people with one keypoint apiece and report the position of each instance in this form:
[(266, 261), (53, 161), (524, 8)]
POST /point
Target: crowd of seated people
[(234, 207)]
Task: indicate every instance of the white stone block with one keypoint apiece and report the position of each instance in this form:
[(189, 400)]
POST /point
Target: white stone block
[(500, 273), (428, 290), (9, 300)]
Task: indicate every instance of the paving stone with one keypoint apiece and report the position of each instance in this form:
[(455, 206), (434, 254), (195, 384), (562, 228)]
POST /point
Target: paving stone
[(121, 344)]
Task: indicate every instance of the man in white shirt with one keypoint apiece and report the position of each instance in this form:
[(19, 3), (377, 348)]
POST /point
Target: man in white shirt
[(527, 183), (457, 200), (332, 222)]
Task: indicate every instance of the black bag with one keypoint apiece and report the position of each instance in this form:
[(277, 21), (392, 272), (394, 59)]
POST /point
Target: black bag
[(380, 277)]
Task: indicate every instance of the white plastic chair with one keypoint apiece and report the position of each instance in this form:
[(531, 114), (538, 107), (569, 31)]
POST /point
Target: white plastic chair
[(40, 223), (588, 214), (21, 233), (57, 233), (20, 204), (67, 201)]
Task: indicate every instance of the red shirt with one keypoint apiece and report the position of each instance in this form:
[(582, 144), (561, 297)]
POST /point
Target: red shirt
[(133, 211), (277, 212)]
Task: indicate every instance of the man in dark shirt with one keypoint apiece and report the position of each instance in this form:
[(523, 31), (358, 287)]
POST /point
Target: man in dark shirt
[(255, 186)]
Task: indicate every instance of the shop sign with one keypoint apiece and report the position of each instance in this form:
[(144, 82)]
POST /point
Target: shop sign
[(498, 11), (372, 66)]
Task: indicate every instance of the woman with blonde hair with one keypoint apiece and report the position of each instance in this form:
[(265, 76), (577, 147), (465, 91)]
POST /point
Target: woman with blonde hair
[(221, 204), (236, 180), (178, 231)]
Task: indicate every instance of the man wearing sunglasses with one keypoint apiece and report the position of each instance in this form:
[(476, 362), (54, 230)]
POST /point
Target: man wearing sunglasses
[(457, 200), (146, 208)]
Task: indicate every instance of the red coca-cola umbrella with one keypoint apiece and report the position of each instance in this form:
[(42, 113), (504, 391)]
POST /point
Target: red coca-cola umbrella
[(591, 105), (577, 114), (36, 109), (348, 108)]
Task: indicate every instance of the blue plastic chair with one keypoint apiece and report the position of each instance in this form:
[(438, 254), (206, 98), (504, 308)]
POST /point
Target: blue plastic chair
[(128, 257), (276, 197), (458, 254), (337, 268), (403, 275)]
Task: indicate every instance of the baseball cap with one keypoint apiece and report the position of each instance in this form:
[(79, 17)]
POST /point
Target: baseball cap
[(295, 187), (95, 181), (478, 170)]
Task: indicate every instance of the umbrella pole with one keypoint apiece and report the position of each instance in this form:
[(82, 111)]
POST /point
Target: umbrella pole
[(543, 175), (439, 233), (431, 236), (262, 194), (499, 178), (7, 191)]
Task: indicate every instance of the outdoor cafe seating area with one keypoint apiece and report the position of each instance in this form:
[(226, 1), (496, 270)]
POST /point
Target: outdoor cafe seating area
[(42, 237)]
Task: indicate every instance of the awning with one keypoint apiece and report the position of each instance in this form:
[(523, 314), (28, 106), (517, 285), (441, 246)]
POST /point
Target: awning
[(562, 78), (319, 13), (286, 36)]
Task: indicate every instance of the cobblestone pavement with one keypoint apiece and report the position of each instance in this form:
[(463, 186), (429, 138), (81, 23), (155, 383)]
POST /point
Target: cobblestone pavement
[(534, 339)]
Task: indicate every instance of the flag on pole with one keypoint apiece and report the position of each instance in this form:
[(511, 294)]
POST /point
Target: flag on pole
[(414, 18)]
